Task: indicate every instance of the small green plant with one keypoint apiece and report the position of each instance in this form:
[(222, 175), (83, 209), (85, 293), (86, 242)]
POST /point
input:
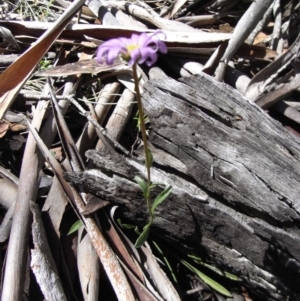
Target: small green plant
[(44, 64), (191, 266), (151, 206), (75, 227), (210, 282), (137, 118), (137, 50)]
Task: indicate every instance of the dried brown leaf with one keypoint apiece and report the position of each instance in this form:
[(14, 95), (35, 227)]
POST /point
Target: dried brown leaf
[(13, 78)]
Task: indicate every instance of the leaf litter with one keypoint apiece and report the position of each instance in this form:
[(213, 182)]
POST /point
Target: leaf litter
[(58, 39)]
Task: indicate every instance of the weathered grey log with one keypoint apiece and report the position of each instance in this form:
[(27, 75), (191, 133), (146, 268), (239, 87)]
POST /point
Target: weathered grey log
[(235, 174)]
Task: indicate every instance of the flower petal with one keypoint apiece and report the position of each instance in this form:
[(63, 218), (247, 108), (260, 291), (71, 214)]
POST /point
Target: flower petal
[(149, 56), (111, 49), (135, 56), (101, 53), (134, 40), (154, 37), (143, 38), (162, 47), (112, 55), (140, 49)]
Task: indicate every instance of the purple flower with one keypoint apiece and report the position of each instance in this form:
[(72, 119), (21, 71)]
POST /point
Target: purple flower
[(140, 49)]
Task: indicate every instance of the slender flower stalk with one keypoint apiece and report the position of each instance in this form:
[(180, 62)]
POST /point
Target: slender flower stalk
[(144, 135), (136, 50), (139, 49)]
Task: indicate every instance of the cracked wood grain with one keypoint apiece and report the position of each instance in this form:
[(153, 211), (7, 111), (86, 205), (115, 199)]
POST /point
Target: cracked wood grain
[(235, 174)]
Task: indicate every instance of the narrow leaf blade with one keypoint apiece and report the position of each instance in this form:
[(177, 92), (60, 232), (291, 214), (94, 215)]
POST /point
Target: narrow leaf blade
[(150, 157), (75, 227), (212, 283), (143, 237), (160, 198), (142, 184)]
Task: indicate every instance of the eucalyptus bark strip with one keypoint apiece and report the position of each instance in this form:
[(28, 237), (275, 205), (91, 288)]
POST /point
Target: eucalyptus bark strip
[(42, 262), (14, 275), (105, 253)]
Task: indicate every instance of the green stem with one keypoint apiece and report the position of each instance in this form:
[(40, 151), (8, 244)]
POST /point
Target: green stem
[(144, 135)]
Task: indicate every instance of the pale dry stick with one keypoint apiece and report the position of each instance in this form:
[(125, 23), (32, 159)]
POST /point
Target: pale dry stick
[(161, 23), (101, 12), (42, 262), (155, 72), (7, 59), (66, 139), (86, 261), (148, 8), (245, 25), (176, 7), (277, 25), (127, 20), (261, 24), (281, 93), (56, 200), (267, 76), (8, 193), (87, 258), (161, 281), (107, 96), (100, 129), (77, 164), (9, 175), (190, 66), (119, 118), (49, 130), (106, 255), (8, 188), (45, 97), (54, 208), (7, 222), (287, 111), (88, 265), (237, 79), (199, 20), (27, 191)]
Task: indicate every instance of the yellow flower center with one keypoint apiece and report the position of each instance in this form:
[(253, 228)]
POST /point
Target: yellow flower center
[(126, 55), (132, 47)]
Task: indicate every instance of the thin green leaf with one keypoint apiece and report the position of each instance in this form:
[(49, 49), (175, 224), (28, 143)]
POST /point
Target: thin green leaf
[(137, 118), (142, 184), (125, 226), (166, 261), (143, 237), (150, 157), (212, 283), (160, 198), (230, 276), (153, 185), (75, 227)]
